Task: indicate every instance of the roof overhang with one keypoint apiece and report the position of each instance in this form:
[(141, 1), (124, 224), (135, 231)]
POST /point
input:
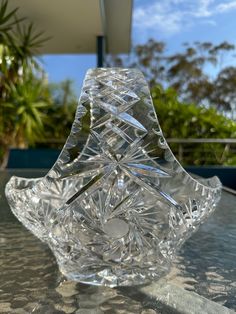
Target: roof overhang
[(73, 25)]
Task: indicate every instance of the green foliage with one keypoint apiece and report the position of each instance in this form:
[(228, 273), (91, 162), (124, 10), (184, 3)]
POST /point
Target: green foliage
[(182, 120), (191, 121), (62, 111), (26, 109)]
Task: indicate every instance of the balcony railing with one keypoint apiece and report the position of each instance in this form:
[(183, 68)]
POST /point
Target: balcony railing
[(205, 150)]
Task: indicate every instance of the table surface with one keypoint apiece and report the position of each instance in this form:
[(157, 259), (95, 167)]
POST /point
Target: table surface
[(31, 283)]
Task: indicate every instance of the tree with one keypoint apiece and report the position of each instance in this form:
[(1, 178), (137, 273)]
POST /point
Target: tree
[(224, 93), (149, 58), (186, 71), (23, 92)]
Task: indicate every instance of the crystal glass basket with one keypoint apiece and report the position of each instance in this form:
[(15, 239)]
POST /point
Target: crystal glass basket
[(116, 205)]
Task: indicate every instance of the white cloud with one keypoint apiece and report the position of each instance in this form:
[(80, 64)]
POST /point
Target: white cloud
[(224, 7), (171, 16), (155, 16)]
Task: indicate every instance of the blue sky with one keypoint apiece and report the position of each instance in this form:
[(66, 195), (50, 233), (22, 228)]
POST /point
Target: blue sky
[(173, 21)]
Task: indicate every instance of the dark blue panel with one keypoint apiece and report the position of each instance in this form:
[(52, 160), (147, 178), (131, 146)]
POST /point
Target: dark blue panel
[(32, 158), (226, 174)]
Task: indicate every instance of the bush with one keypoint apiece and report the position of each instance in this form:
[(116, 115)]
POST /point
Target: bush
[(182, 120)]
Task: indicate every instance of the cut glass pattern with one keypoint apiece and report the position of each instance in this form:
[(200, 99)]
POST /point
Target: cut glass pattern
[(116, 205)]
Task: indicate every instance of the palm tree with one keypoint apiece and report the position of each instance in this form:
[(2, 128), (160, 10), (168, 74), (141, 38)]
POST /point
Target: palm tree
[(24, 95)]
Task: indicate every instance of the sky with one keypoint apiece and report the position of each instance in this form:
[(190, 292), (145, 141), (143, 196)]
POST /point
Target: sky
[(172, 21)]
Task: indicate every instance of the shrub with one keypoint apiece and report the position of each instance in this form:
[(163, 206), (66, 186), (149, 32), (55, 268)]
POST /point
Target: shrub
[(181, 120)]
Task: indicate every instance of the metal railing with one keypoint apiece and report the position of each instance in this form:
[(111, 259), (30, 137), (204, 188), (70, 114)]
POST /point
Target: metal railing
[(205, 150)]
